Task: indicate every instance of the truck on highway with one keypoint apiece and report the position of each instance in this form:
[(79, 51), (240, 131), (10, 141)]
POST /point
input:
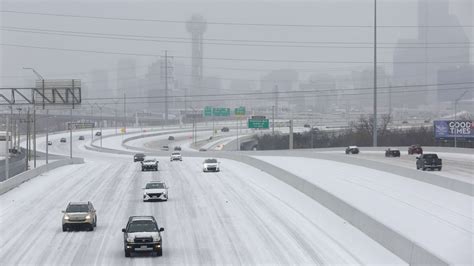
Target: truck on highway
[(429, 161)]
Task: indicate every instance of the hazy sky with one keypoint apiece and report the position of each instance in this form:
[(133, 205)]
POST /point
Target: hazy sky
[(62, 64)]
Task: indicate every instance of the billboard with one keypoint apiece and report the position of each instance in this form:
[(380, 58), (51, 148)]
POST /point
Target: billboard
[(446, 129)]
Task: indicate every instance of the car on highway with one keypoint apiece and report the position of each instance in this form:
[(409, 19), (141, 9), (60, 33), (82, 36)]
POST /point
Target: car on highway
[(225, 129), (392, 152), (177, 148), (63, 140), (98, 133), (202, 149), (170, 138), (429, 161), (155, 190), (142, 234), (415, 149), (165, 148), (79, 215), (176, 156), (81, 138), (352, 150), (150, 165), (306, 126), (50, 142), (210, 165), (139, 157)]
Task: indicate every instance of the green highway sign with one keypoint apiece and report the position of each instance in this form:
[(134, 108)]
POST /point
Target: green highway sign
[(221, 111), (208, 111), (239, 110), (263, 123)]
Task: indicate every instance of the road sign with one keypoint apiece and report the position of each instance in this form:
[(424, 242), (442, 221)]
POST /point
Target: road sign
[(258, 117), (208, 111), (80, 125), (221, 111), (253, 123), (239, 110)]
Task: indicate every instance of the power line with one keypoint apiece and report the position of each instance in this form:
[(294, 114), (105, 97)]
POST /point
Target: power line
[(143, 38), (230, 23), (224, 58), (271, 93), (369, 94)]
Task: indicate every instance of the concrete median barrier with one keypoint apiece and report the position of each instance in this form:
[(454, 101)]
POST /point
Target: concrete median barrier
[(17, 180)]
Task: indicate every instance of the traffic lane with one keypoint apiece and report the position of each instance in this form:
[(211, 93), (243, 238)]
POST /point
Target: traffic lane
[(460, 170), (209, 219)]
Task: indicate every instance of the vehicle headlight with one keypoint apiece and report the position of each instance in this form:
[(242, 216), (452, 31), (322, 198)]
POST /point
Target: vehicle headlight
[(130, 240), (66, 217), (88, 217), (156, 239)]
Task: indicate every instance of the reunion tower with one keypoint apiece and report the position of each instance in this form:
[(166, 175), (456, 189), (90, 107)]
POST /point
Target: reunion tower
[(196, 26)]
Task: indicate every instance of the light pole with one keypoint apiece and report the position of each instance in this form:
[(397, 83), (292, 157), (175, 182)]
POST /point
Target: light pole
[(455, 118), (375, 75), (34, 114)]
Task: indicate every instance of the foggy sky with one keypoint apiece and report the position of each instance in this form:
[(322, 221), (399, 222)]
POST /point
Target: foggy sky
[(60, 64)]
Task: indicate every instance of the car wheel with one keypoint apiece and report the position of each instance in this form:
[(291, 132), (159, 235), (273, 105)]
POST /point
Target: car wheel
[(159, 253), (95, 222), (91, 227), (65, 228), (439, 168), (127, 253), (423, 168)]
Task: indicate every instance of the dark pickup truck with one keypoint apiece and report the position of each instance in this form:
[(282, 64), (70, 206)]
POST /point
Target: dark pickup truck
[(429, 160)]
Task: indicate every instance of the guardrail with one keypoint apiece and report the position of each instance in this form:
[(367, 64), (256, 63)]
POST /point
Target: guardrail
[(25, 176)]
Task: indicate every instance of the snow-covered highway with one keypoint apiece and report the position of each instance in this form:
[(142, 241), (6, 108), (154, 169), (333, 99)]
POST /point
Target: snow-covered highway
[(238, 216)]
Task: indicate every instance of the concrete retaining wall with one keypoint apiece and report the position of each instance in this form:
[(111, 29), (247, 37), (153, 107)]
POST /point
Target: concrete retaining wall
[(25, 176)]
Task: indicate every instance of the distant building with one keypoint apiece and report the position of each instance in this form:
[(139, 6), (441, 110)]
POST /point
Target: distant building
[(98, 85), (460, 74), (127, 78), (430, 13), (362, 97), (278, 82)]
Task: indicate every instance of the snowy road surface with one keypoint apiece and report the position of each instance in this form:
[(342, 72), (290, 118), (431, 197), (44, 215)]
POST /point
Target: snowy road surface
[(438, 219), (237, 216)]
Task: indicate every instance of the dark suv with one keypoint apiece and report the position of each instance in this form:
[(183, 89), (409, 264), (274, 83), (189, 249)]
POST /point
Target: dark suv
[(142, 234), (139, 157)]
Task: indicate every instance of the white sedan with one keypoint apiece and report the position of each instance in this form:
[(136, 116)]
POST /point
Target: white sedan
[(210, 165), (155, 190)]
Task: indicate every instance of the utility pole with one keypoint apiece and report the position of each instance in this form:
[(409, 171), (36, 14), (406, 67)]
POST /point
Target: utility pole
[(276, 101), (166, 86), (124, 113), (7, 152), (70, 135), (28, 137), (34, 137), (455, 118), (273, 119), (375, 75), (291, 135), (101, 121), (238, 146), (92, 128), (47, 131)]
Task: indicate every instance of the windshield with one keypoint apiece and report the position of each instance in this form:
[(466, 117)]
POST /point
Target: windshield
[(155, 185), (142, 226), (175, 153), (149, 161), (140, 155), (77, 208), (210, 161), (430, 156)]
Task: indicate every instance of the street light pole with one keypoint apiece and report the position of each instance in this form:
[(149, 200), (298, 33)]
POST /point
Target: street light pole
[(455, 118), (375, 75)]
